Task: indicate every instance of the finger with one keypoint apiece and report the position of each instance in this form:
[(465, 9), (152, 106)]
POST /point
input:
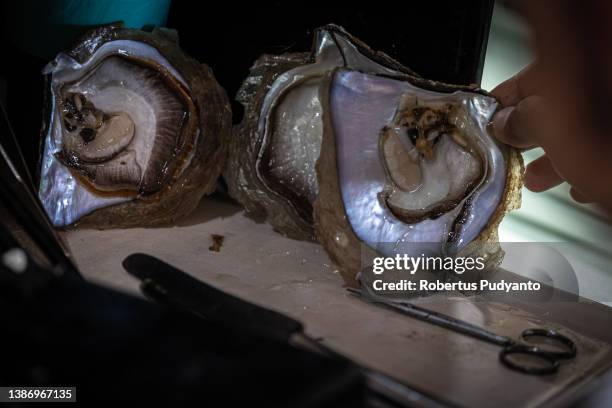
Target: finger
[(579, 196), (540, 175), (516, 126), (517, 88)]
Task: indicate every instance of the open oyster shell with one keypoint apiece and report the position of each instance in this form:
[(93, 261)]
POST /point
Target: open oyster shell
[(403, 164), (135, 131), (273, 152), (408, 166)]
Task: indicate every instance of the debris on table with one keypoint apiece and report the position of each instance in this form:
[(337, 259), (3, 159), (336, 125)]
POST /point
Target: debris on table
[(217, 242)]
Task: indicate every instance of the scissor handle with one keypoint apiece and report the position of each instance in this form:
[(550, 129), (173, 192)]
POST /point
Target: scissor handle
[(549, 366), (549, 359), (567, 343)]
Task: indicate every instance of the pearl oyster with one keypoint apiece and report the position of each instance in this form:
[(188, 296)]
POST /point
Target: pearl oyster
[(408, 166), (347, 145), (274, 150), (135, 131)]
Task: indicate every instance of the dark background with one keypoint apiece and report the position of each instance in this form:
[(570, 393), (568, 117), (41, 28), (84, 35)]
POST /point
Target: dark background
[(441, 40)]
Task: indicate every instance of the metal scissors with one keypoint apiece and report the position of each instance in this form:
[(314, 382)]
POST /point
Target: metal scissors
[(519, 355)]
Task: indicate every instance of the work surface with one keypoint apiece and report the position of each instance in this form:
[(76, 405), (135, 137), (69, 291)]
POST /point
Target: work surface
[(297, 278)]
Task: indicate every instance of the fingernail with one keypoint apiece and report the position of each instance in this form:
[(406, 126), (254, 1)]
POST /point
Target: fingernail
[(499, 122)]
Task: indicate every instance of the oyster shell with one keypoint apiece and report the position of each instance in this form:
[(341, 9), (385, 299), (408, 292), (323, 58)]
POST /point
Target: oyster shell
[(403, 164), (271, 164), (135, 131), (408, 166)]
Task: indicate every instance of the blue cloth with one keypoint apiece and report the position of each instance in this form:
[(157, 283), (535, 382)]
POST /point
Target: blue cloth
[(46, 28)]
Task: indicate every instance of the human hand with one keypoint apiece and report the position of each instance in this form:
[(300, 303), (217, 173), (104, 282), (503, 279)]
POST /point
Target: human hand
[(561, 104)]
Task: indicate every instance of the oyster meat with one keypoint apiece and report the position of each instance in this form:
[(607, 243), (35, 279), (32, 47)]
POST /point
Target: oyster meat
[(135, 131), (404, 165)]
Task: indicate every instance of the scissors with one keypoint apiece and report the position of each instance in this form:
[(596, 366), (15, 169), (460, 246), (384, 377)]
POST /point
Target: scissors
[(547, 359)]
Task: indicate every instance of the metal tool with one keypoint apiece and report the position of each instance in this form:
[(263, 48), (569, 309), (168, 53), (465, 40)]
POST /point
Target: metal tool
[(19, 200), (548, 360), (168, 285)]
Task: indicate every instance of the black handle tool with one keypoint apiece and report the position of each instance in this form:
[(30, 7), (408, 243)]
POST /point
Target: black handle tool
[(166, 284)]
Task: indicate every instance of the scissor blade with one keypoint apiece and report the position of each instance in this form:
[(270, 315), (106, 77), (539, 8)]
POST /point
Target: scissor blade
[(441, 320)]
